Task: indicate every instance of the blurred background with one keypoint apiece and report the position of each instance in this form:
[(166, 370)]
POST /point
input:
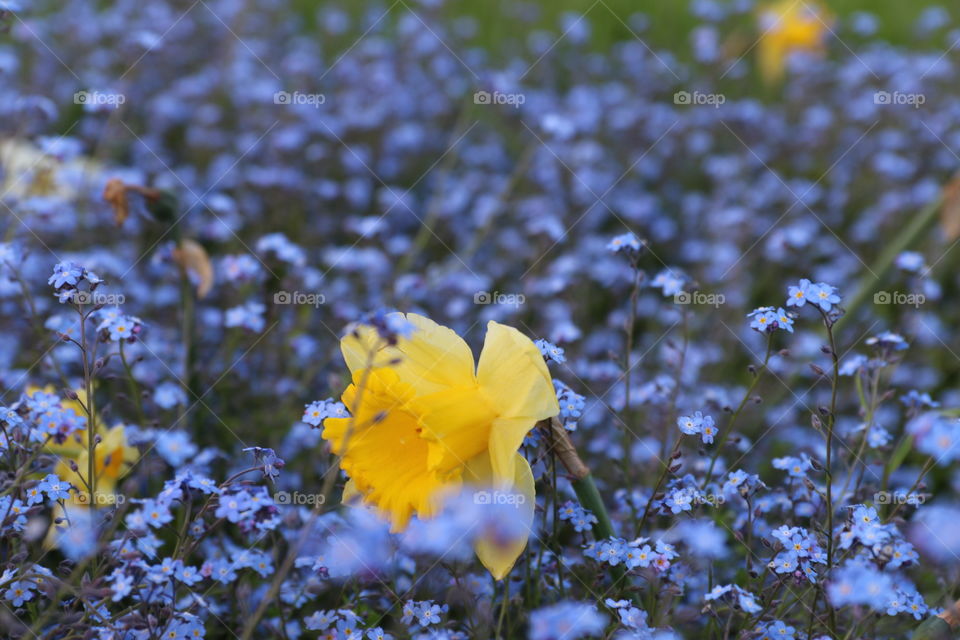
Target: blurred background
[(414, 155)]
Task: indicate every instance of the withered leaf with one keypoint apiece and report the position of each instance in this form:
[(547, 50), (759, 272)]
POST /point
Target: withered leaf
[(115, 194), (193, 257)]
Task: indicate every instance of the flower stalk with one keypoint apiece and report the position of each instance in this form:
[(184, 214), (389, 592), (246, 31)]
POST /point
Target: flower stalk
[(940, 627), (582, 479)]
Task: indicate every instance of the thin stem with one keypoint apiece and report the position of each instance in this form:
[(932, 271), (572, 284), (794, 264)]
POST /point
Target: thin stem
[(503, 608), (831, 421), (134, 387), (736, 414)]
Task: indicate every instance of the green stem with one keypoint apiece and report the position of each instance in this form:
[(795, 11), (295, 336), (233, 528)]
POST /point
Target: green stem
[(589, 497), (503, 608), (936, 628), (718, 447), (134, 387), (900, 243), (831, 423)]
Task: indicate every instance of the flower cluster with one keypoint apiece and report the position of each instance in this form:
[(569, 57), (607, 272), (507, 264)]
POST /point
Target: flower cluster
[(698, 424), (580, 518)]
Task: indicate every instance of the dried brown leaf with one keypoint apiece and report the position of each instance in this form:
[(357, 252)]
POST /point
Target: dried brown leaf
[(193, 257), (115, 194)]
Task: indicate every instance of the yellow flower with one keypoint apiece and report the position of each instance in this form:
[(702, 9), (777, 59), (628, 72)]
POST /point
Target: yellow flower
[(788, 26), (425, 419), (113, 456)]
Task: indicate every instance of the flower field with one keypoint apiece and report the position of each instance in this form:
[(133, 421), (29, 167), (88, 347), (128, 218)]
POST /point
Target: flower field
[(431, 320)]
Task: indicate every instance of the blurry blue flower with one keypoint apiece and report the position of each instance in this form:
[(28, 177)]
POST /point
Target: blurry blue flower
[(916, 400), (852, 364), (887, 341), (669, 283), (625, 243), (175, 447), (797, 467), (125, 328), (247, 316), (857, 583), (77, 537), (910, 261), (567, 621), (168, 395)]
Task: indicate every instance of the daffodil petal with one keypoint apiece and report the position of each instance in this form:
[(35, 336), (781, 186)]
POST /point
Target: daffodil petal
[(499, 556), (363, 348), (514, 376), (506, 436), (434, 357)]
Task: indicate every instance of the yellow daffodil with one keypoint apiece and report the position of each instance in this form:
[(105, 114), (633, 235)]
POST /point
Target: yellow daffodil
[(426, 419), (113, 456), (788, 26)]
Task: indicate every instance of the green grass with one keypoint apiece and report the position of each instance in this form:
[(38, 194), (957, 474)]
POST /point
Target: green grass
[(670, 21)]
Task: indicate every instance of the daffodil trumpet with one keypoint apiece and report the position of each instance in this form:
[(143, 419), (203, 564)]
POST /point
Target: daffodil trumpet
[(426, 420)]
